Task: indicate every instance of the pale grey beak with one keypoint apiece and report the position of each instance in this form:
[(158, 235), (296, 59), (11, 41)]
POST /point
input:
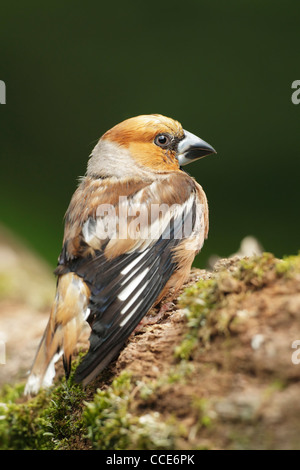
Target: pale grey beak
[(191, 148)]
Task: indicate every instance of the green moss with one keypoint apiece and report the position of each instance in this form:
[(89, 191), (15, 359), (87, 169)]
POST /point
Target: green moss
[(61, 419), (186, 347), (255, 271), (258, 270), (197, 301), (107, 418), (19, 424), (205, 414), (111, 423), (50, 420), (179, 373), (288, 266), (205, 302)]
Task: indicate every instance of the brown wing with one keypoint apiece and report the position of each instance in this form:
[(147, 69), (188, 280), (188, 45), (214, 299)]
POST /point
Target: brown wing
[(126, 276)]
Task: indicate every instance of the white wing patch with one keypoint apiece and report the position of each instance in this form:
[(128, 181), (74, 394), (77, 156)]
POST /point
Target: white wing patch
[(133, 263), (127, 318), (131, 287), (128, 305)]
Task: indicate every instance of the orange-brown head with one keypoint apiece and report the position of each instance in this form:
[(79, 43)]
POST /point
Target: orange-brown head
[(146, 143)]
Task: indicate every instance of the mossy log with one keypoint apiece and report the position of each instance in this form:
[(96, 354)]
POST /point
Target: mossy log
[(220, 370)]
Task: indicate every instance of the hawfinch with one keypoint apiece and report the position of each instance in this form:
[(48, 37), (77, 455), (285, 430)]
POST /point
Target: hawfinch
[(132, 230)]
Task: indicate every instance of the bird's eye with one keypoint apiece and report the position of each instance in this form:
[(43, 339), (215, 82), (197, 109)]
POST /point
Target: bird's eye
[(162, 140)]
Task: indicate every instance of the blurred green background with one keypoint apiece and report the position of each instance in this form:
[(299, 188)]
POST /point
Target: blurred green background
[(74, 69)]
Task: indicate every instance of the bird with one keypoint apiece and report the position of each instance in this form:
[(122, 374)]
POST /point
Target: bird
[(132, 230)]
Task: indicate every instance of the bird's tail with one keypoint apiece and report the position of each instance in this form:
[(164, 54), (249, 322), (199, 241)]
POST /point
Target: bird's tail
[(67, 318)]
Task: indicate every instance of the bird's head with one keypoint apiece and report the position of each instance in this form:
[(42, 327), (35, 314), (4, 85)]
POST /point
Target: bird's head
[(147, 142)]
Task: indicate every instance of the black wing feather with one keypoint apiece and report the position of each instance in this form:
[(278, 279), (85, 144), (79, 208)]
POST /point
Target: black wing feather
[(111, 327), (107, 334)]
